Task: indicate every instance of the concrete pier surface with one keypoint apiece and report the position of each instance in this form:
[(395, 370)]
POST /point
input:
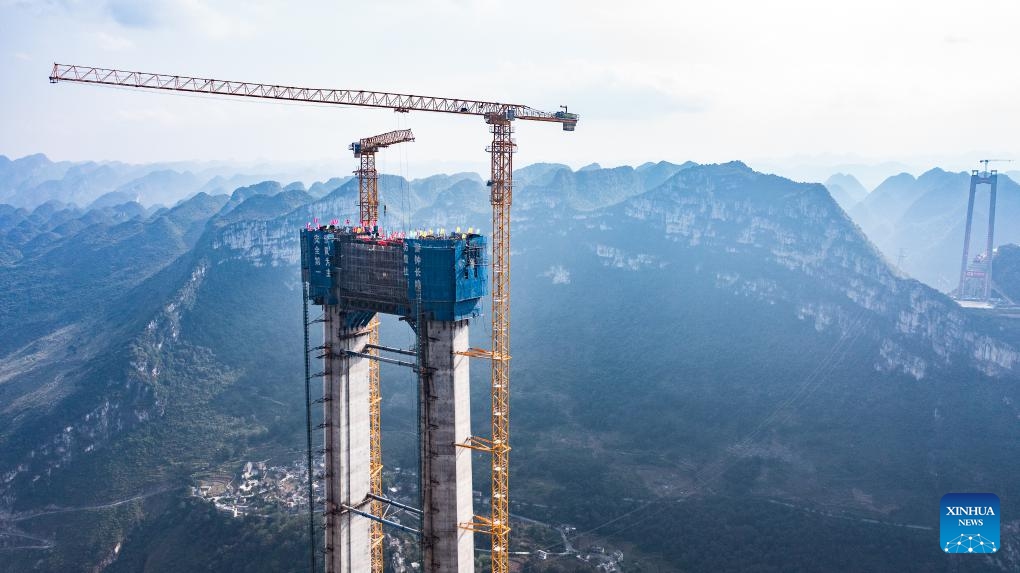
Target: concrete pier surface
[(446, 467), (346, 411)]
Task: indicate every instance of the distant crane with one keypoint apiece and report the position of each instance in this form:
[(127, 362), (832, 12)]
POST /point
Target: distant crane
[(368, 206), (985, 162), (499, 117)]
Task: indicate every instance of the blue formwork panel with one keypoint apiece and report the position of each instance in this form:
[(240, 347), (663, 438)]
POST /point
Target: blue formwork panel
[(446, 276), (317, 264)]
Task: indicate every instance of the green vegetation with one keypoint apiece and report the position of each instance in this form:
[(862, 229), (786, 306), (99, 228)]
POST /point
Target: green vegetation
[(191, 535), (1006, 271)]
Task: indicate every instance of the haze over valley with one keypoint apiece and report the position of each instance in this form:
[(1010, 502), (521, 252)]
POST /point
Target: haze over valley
[(690, 342)]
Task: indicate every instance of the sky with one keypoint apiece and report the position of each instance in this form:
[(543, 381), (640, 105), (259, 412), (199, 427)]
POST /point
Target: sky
[(794, 87)]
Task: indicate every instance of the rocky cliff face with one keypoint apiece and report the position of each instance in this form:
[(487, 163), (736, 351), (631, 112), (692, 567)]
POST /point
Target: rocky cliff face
[(734, 213), (726, 291)]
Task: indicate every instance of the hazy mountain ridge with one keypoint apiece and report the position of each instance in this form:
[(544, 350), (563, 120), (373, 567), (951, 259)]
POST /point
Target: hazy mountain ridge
[(846, 190), (592, 187), (33, 180), (888, 201), (724, 218), (713, 272), (27, 172)]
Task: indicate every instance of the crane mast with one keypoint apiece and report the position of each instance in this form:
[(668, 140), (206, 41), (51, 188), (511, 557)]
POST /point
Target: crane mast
[(499, 117), (368, 207), (501, 195)]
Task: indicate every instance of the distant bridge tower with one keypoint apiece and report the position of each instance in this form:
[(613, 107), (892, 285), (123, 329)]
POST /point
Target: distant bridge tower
[(976, 275)]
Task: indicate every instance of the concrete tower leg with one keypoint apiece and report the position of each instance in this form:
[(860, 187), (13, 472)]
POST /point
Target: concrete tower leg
[(961, 292), (446, 468), (346, 413), (990, 246)]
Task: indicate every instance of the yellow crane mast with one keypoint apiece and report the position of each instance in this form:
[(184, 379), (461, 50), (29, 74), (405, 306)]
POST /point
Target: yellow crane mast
[(368, 207), (499, 117)]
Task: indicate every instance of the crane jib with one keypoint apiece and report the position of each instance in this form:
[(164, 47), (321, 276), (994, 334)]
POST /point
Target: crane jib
[(395, 101)]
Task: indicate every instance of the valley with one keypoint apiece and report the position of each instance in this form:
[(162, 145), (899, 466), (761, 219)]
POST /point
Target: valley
[(700, 351)]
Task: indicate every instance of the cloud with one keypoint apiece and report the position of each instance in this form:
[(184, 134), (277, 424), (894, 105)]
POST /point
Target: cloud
[(618, 100), (63, 4), (136, 13), (113, 43), (149, 116), (611, 97), (23, 56), (951, 39), (214, 23), (610, 90)]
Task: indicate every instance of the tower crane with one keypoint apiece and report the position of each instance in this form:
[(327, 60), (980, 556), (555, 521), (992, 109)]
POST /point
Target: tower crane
[(499, 117), (368, 207), (985, 162), (368, 178)]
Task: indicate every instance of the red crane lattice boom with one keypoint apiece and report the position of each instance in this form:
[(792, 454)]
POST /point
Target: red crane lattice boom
[(388, 100)]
